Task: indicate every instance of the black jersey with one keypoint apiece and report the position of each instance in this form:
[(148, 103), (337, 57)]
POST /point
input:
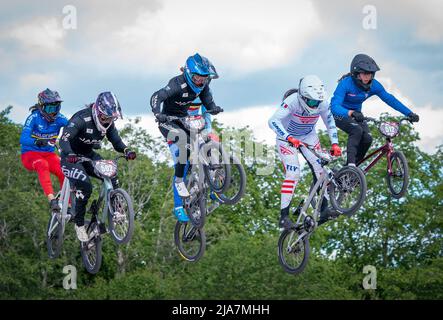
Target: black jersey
[(81, 134)]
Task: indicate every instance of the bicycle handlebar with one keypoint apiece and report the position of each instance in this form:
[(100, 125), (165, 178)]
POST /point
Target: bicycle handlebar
[(378, 121)]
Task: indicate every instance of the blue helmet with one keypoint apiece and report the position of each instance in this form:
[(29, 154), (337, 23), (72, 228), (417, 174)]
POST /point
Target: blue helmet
[(106, 110), (49, 104), (197, 67)]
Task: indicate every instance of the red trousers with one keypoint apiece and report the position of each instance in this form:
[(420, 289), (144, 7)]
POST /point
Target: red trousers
[(44, 163)]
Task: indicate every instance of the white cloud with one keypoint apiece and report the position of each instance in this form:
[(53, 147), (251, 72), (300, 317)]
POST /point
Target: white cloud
[(240, 36), (34, 81), (42, 35)]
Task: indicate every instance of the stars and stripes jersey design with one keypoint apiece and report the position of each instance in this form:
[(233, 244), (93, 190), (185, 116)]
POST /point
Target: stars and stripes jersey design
[(291, 119)]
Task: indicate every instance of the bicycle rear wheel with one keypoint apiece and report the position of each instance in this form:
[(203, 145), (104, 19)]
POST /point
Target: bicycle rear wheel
[(54, 235), (120, 216), (398, 179), (190, 241), (91, 250), (293, 251), (347, 190)]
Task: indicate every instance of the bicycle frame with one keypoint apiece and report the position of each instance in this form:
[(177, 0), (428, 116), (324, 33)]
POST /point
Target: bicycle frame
[(321, 184), (387, 149)]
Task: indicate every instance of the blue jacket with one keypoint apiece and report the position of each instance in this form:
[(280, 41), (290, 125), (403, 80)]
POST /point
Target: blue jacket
[(348, 96), (37, 127)]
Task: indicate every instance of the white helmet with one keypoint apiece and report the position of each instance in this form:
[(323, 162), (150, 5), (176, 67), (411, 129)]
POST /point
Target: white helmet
[(311, 92)]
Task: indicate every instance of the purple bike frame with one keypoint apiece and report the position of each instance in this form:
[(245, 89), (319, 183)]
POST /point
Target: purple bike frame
[(387, 149)]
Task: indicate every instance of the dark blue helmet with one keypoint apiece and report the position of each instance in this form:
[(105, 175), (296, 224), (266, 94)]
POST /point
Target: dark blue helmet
[(106, 110), (49, 104), (198, 71), (363, 63)]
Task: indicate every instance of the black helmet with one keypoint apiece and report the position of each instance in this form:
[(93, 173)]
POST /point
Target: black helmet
[(363, 63)]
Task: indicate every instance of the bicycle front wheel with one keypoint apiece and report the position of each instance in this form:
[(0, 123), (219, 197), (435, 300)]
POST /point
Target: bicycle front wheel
[(120, 216), (398, 178), (237, 184), (348, 190), (218, 172), (293, 251), (190, 241)]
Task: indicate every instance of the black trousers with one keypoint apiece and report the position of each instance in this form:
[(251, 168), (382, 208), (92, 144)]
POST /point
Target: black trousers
[(359, 138)]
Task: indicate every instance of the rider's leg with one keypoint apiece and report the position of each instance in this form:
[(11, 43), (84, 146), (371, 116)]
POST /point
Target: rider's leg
[(365, 143), (178, 201), (355, 133), (35, 161), (55, 167), (82, 188), (181, 155), (289, 158)]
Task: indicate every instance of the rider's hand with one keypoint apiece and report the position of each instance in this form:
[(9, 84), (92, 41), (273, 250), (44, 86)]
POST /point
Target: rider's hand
[(129, 154), (161, 117), (41, 143), (413, 117), (335, 150), (216, 110), (358, 116), (296, 143), (72, 158)]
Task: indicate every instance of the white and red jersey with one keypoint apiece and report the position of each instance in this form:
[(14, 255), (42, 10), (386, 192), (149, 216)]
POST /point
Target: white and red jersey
[(291, 119)]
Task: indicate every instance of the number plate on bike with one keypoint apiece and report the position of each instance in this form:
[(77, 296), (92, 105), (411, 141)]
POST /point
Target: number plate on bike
[(389, 129), (105, 168), (195, 122)]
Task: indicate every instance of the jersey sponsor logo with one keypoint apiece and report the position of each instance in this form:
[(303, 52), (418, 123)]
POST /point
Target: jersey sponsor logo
[(79, 194), (280, 131), (291, 168), (352, 94), (71, 125), (89, 141), (183, 103), (87, 119), (74, 173), (167, 88), (307, 119), (185, 95), (183, 85), (285, 151), (88, 130)]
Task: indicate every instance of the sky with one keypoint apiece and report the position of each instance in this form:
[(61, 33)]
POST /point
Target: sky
[(260, 49)]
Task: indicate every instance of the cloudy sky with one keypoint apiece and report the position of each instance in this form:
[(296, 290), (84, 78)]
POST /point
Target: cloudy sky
[(260, 48)]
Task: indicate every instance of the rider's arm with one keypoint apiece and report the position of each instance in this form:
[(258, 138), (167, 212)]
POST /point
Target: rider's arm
[(388, 98), (75, 125), (161, 95), (114, 138), (207, 99), (208, 119), (26, 138), (337, 100), (275, 122), (329, 121)]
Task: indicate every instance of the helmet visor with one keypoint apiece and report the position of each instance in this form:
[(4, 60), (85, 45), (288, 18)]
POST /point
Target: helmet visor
[(311, 102), (199, 80), (51, 108), (106, 120)]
